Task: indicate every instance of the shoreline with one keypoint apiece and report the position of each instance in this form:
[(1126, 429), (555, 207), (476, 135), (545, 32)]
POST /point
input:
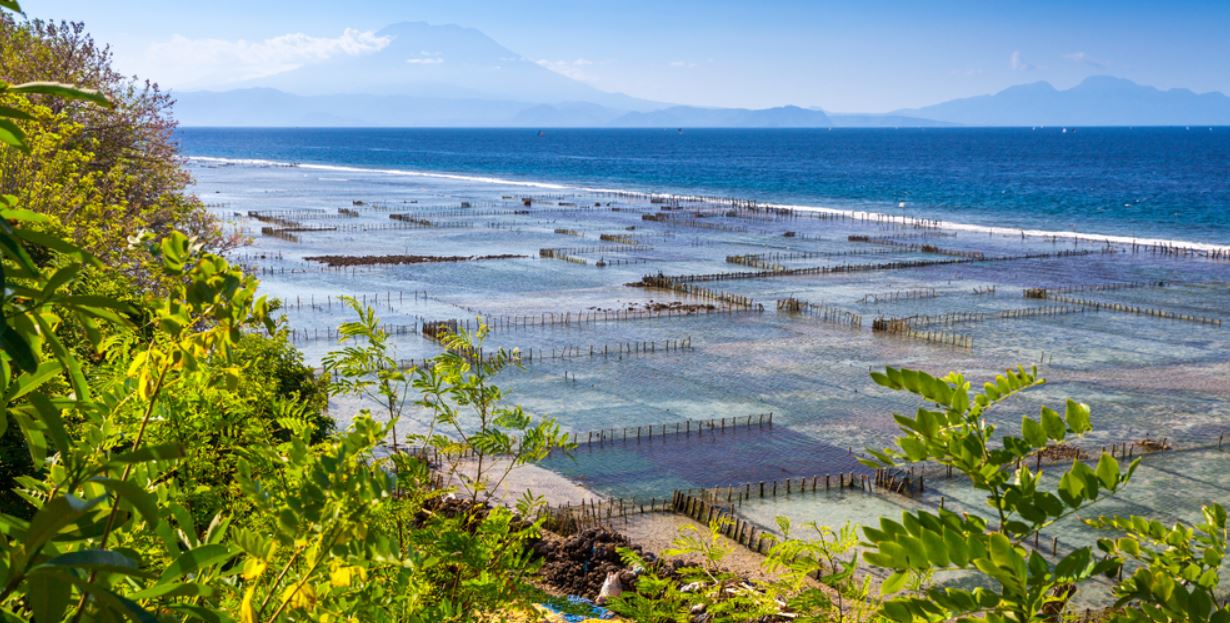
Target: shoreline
[(866, 215)]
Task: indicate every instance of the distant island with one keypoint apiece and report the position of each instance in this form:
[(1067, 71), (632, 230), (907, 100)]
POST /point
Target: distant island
[(484, 84)]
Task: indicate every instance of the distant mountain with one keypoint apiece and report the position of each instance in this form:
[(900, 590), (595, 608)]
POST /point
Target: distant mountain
[(427, 60), (1098, 100), (566, 115), (695, 117), (450, 76), (270, 107), (857, 120)]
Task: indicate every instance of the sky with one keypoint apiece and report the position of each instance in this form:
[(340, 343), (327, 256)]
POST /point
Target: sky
[(857, 56)]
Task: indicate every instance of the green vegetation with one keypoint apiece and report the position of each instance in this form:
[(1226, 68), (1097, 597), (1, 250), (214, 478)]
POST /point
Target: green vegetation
[(100, 174), (169, 456)]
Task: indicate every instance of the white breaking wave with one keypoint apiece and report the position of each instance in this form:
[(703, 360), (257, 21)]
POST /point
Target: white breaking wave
[(853, 214)]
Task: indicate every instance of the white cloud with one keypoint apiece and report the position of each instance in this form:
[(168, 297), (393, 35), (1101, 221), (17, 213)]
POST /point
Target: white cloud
[(574, 69), (204, 61), (682, 64), (1084, 59), (426, 58), (1014, 61)]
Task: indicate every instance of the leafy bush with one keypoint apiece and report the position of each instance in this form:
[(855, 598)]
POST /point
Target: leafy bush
[(1025, 583), (113, 168)]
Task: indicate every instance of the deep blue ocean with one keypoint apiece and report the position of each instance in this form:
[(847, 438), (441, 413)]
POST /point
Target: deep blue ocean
[(1144, 182)]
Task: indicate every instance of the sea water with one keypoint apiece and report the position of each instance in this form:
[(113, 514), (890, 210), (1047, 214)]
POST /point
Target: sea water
[(1145, 377)]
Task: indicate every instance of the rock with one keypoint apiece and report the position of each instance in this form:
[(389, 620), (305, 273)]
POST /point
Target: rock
[(611, 587), (691, 587), (580, 564)]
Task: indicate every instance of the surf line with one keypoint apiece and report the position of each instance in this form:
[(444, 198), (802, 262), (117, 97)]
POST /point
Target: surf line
[(865, 215)]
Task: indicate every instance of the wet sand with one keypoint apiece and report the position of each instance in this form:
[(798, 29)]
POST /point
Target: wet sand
[(555, 489), (656, 531)]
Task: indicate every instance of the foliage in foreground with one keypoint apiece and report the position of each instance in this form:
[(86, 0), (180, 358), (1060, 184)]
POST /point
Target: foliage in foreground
[(101, 174), (1023, 582), (1174, 571), (313, 530)]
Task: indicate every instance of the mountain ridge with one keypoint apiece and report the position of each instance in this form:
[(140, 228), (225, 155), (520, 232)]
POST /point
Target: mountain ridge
[(432, 60), (1095, 101)]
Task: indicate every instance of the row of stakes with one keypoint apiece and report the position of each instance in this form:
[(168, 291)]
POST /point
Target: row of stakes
[(753, 206), (855, 268)]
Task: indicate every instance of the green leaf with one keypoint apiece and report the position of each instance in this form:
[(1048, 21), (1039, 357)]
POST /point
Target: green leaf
[(193, 561), (894, 583), (200, 612), (172, 589), (53, 516), (55, 243), (1108, 471), (937, 551), (47, 596), (53, 424), (20, 214), (1005, 556), (916, 552), (1071, 488), (30, 381), (164, 452), (1074, 565), (10, 243), (12, 135), (897, 610), (1032, 431), (17, 347), (13, 113), (1053, 424), (65, 91), (59, 278), (142, 500), (914, 448), (1077, 415), (95, 560), (72, 367), (957, 550), (109, 601)]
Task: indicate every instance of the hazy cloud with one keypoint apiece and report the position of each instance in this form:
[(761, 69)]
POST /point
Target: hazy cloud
[(1084, 59), (426, 58), (682, 64), (233, 60), (1015, 62), (574, 69)]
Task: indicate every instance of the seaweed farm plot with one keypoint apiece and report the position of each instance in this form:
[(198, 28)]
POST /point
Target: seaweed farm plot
[(651, 313), (645, 467)]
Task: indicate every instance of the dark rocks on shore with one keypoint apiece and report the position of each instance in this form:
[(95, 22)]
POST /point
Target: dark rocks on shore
[(577, 565)]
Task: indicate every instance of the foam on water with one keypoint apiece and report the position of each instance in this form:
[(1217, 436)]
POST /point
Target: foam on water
[(854, 214)]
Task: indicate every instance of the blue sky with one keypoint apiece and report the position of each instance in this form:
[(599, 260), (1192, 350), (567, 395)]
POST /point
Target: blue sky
[(868, 56)]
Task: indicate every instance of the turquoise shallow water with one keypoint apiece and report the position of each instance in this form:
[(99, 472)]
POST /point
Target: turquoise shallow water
[(1145, 377)]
